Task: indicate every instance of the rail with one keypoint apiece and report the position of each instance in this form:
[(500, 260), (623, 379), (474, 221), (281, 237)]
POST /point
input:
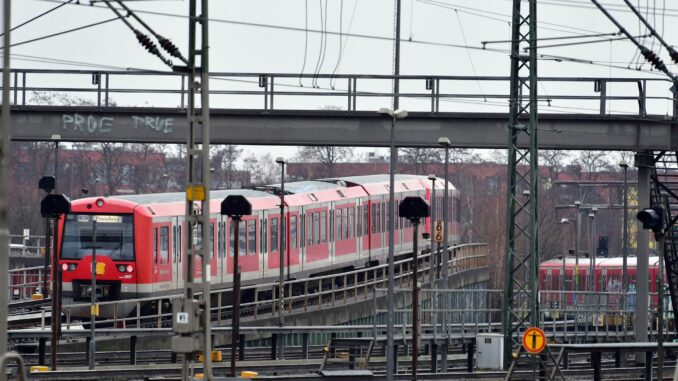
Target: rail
[(353, 92), (302, 295)]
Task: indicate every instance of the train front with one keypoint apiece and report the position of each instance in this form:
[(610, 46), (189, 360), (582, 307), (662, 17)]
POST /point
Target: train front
[(107, 227)]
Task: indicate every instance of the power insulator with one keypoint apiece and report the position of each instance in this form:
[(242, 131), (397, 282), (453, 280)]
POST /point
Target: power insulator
[(169, 47), (651, 57), (146, 42)]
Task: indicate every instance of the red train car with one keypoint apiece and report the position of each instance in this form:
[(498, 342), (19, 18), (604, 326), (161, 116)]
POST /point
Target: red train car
[(328, 225), (607, 279)]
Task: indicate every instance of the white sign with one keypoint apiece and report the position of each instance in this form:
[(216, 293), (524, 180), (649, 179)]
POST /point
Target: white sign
[(182, 317)]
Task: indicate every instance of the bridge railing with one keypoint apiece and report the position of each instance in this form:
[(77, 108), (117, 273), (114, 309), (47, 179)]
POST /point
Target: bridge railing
[(25, 281), (301, 296), (348, 92)]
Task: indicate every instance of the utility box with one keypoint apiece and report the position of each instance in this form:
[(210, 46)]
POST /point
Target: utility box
[(490, 351)]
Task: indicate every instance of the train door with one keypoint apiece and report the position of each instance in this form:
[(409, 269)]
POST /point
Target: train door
[(366, 227), (221, 250), (213, 250), (162, 266), (292, 249)]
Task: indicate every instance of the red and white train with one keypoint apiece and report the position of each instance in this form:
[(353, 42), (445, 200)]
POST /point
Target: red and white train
[(607, 278), (329, 226)]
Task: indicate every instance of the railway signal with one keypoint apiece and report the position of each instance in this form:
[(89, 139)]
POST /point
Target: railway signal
[(51, 207), (414, 208), (235, 206), (652, 218)]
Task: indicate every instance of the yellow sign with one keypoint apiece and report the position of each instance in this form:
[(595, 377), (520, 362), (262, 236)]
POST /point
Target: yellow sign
[(534, 340), (195, 193), (438, 231)]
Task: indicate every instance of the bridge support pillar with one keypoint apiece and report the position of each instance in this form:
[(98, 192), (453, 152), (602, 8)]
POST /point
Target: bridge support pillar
[(617, 359), (304, 345), (566, 360), (648, 366), (470, 349), (42, 348), (643, 161), (395, 358), (274, 346), (596, 363), (443, 356), (241, 347), (433, 351), (87, 353), (133, 350)]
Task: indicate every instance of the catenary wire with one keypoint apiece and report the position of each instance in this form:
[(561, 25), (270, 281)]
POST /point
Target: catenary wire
[(62, 32), (38, 16), (303, 66), (341, 26)]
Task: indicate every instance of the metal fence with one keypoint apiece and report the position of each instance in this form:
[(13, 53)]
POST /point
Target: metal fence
[(348, 92)]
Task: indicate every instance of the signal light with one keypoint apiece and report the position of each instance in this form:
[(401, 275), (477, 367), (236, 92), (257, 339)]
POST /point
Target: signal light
[(652, 218), (125, 268)]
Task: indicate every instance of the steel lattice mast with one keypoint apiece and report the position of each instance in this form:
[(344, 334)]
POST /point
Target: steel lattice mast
[(520, 307)]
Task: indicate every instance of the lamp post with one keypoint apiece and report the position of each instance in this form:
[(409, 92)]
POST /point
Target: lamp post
[(390, 353), (564, 221), (577, 232), (433, 259), (625, 232), (281, 249), (445, 142), (56, 138), (592, 251)]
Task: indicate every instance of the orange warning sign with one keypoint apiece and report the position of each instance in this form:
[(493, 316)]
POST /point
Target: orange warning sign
[(534, 340)]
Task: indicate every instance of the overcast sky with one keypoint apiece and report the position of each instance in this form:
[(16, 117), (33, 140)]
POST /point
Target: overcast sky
[(438, 29)]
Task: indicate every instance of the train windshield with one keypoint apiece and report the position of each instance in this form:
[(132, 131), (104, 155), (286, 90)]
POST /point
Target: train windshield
[(114, 236)]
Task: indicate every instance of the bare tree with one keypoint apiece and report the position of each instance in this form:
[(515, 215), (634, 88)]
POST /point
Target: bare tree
[(419, 158), (327, 156)]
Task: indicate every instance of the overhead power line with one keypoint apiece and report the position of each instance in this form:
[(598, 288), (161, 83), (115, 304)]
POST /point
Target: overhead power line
[(143, 39), (669, 48), (38, 16), (62, 32), (165, 43), (649, 55)]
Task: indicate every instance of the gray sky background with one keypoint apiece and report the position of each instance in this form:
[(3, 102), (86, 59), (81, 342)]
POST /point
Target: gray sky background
[(429, 23)]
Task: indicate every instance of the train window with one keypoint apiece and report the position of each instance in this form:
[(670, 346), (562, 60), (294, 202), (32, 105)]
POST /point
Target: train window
[(316, 228), (242, 240), (323, 227), (293, 232), (212, 240), (231, 238), (366, 219), (274, 234), (351, 222), (457, 216), (181, 248), (383, 217), (302, 235), (375, 218), (164, 244), (251, 237), (346, 227), (309, 229), (339, 231), (174, 244), (155, 245), (358, 221)]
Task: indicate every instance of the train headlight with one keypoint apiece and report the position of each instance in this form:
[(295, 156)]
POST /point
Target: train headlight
[(64, 267), (100, 202), (125, 268), (72, 266)]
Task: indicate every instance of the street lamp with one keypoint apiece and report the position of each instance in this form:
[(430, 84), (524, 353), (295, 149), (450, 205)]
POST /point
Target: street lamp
[(433, 258), (577, 206), (625, 233), (281, 249), (564, 221), (592, 249), (445, 143), (390, 353)]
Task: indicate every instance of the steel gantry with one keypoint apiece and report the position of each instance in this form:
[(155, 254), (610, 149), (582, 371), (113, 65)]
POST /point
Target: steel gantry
[(520, 307), (191, 316)]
